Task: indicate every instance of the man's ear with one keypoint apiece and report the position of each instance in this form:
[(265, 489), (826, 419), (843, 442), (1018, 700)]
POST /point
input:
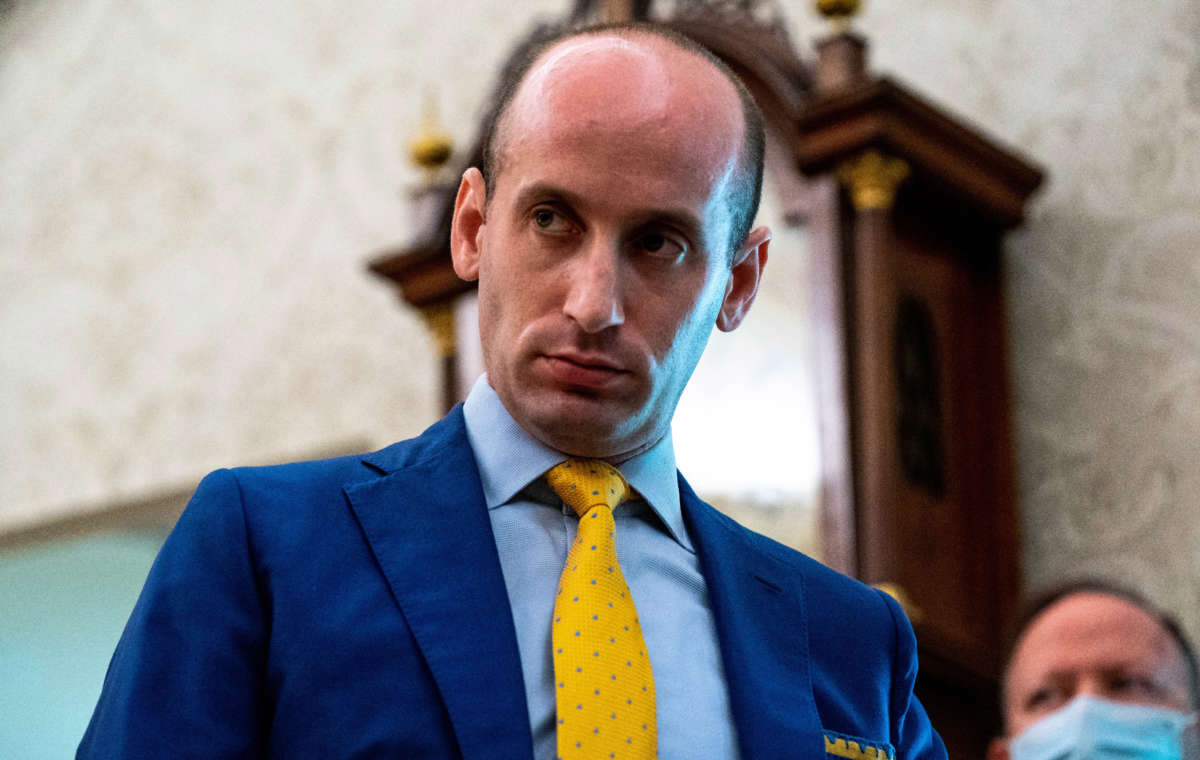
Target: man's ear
[(744, 277), (998, 750), (466, 230)]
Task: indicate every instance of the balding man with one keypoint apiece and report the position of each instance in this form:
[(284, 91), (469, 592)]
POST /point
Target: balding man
[(531, 576), (1097, 671)]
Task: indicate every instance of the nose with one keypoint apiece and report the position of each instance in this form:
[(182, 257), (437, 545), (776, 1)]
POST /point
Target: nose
[(1093, 686), (594, 288)]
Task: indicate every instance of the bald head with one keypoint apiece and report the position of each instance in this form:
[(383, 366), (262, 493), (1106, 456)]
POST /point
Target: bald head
[(1108, 644), (630, 80), (602, 244)]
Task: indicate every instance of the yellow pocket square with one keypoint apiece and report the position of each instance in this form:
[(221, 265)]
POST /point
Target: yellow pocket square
[(853, 748)]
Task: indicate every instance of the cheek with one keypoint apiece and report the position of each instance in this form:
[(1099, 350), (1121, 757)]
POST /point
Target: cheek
[(494, 314), (514, 274), (497, 285), (511, 301), (680, 338)]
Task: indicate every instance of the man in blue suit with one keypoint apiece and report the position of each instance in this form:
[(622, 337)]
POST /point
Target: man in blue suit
[(399, 604)]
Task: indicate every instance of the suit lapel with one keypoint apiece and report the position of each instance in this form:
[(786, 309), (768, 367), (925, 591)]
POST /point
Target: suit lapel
[(428, 527), (763, 630)]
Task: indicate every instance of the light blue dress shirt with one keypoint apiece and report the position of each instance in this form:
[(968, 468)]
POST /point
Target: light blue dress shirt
[(534, 529)]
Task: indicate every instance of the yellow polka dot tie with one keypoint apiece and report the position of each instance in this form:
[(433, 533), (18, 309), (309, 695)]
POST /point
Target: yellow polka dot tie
[(603, 685)]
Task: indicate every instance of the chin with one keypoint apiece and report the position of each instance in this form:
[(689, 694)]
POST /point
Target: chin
[(576, 422), (582, 427)]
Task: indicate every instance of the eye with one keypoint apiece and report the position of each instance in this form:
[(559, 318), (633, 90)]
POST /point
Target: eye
[(547, 219), (1125, 684), (659, 245), (1044, 698)]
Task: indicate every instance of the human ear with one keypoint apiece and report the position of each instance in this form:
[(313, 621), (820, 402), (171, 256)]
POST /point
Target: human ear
[(467, 226), (744, 276)]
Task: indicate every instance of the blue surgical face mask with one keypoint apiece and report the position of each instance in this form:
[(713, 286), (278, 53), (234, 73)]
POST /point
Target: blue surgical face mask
[(1089, 728)]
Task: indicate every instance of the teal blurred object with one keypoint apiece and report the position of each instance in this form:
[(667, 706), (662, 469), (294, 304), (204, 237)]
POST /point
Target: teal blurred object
[(62, 607)]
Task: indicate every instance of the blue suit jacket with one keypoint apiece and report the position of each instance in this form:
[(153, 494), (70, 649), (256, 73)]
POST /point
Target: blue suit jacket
[(355, 607)]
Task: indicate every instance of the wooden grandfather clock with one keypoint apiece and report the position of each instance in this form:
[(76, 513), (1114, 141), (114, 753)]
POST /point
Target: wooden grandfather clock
[(915, 207), (905, 208)]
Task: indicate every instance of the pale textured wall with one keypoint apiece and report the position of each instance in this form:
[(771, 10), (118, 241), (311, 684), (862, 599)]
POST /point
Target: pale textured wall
[(189, 193), (1104, 281)]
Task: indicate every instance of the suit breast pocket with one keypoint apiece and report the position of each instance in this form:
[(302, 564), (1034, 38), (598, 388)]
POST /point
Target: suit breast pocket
[(856, 748)]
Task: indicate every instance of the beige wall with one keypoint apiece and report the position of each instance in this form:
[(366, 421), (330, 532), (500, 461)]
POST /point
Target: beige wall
[(188, 192), (1104, 281)]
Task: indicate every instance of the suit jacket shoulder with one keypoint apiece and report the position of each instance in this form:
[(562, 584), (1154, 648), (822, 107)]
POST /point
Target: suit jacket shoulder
[(848, 652), (351, 607)]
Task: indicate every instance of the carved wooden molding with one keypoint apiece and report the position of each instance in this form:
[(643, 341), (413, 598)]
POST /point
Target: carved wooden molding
[(439, 318), (883, 115), (872, 179)]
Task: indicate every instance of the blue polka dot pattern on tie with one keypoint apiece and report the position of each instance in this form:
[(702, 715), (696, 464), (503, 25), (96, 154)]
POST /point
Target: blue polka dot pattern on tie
[(606, 683)]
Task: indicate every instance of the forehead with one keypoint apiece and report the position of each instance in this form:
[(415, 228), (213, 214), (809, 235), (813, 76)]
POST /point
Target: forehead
[(640, 81), (1089, 632), (622, 104)]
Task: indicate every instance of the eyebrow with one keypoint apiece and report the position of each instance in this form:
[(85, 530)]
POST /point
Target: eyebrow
[(1106, 670), (684, 220)]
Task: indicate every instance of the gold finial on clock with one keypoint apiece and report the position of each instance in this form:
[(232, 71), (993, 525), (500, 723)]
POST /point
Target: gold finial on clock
[(432, 146), (872, 179), (839, 12)]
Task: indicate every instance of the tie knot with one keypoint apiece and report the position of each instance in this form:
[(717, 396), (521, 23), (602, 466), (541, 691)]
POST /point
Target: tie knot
[(586, 483)]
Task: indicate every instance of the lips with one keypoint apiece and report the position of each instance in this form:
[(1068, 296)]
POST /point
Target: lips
[(583, 371)]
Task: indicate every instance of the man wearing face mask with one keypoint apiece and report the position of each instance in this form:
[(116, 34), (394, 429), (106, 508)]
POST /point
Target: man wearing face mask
[(1097, 671)]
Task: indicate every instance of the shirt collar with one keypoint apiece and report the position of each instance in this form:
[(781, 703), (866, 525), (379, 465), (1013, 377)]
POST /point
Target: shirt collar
[(509, 459)]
